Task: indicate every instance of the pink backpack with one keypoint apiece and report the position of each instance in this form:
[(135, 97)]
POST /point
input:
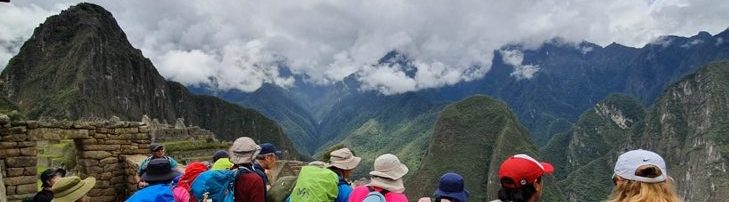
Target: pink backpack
[(181, 194)]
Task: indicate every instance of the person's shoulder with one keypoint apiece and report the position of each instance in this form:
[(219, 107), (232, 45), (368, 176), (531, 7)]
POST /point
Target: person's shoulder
[(392, 196), (251, 177)]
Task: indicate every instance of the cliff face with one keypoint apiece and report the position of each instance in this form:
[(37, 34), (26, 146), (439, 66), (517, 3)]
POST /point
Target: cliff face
[(687, 125), (79, 65)]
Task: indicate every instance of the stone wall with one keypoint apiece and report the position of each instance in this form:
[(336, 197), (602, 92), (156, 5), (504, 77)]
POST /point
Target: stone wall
[(101, 148)]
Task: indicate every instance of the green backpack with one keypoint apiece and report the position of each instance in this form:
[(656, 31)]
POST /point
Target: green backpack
[(315, 184)]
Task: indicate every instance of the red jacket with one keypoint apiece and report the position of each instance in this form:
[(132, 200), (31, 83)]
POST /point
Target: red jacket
[(250, 188)]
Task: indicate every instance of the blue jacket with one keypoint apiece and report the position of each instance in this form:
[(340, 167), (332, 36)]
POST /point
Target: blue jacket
[(345, 189), (153, 193)]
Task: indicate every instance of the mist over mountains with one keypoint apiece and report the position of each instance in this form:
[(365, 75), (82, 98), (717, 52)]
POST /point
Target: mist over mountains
[(577, 105)]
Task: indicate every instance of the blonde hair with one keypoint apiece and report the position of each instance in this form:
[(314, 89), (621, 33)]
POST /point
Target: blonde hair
[(634, 191)]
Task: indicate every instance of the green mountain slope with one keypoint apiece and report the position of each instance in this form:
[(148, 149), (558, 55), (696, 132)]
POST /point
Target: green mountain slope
[(687, 125), (472, 137), (79, 64)]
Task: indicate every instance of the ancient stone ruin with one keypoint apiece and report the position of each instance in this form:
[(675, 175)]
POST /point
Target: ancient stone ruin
[(108, 150)]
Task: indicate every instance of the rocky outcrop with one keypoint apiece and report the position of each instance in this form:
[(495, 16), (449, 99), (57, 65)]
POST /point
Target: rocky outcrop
[(79, 65), (686, 125)]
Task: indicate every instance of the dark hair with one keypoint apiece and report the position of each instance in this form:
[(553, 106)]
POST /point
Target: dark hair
[(522, 194)]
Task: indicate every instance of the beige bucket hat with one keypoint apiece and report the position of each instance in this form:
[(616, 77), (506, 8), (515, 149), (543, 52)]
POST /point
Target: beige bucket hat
[(244, 150), (343, 159), (69, 189), (389, 166), (396, 186)]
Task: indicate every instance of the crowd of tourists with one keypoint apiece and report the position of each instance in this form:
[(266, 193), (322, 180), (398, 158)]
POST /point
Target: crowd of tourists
[(240, 175)]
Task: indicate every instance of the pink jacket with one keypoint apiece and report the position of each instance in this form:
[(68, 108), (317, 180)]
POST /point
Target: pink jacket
[(359, 193)]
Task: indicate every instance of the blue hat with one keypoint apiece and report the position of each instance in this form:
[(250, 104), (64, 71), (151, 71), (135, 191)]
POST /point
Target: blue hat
[(451, 187), (268, 148), (220, 154)]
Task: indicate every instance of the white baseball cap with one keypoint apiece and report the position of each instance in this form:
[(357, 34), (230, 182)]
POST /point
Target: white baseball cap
[(629, 162)]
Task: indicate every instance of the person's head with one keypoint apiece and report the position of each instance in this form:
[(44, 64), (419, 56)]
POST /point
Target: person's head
[(159, 171), (157, 150), (640, 175), (243, 151), (220, 154), (268, 156), (388, 173), (50, 176), (521, 178), (343, 161), (71, 189), (451, 188)]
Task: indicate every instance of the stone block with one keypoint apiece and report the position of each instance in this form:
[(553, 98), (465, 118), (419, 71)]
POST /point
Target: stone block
[(28, 151), (9, 152), (20, 180), (14, 172), (88, 162), (101, 147), (15, 137), (101, 135), (111, 167), (27, 144), (94, 170), (10, 190), (19, 197), (109, 160), (75, 134), (95, 154), (144, 129), (33, 124), (102, 130), (8, 145), (26, 188), (18, 162), (119, 142), (106, 177), (89, 141), (30, 171), (4, 119)]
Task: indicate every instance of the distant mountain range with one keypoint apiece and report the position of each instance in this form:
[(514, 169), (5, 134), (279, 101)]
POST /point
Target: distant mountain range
[(570, 79), (79, 65), (582, 106)]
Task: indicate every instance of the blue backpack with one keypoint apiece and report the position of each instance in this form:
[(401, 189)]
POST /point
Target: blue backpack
[(217, 185)]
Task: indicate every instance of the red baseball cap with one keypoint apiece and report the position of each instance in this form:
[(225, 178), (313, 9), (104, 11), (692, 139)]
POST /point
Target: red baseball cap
[(522, 169)]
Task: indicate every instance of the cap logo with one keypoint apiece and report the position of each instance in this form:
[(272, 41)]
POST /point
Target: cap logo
[(523, 182)]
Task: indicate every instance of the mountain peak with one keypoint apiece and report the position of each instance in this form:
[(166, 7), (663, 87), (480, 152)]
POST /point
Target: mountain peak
[(81, 22)]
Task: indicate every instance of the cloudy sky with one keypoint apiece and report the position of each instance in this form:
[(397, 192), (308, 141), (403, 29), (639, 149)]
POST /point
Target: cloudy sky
[(241, 44)]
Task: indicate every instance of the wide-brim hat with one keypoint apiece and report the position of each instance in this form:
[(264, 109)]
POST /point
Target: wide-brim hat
[(343, 159), (159, 170), (396, 186), (70, 189), (389, 166), (451, 186), (244, 150)]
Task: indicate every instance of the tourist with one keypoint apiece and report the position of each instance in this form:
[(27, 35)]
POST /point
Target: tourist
[(641, 175), (48, 178), (250, 185), (73, 189), (521, 178), (450, 189), (386, 183), (157, 152), (266, 161), (159, 176), (181, 192), (321, 181)]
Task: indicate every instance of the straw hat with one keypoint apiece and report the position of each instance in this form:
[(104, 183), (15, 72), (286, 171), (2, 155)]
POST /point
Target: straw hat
[(69, 189)]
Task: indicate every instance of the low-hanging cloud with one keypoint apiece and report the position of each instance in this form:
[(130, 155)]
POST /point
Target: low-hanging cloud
[(244, 44)]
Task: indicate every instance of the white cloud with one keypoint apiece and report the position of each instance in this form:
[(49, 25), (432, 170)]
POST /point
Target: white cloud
[(515, 59), (239, 44)]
